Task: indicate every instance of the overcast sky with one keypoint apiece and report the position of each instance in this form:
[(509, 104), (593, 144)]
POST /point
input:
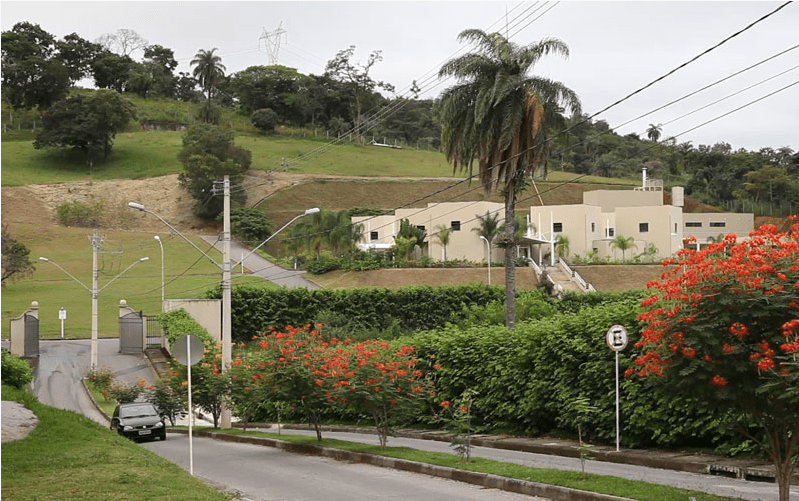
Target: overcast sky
[(616, 48)]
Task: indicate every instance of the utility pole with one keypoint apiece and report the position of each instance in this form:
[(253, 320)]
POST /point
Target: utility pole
[(96, 241), (272, 42), (226, 299)]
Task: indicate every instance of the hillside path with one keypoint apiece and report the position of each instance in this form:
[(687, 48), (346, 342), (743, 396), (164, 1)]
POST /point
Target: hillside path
[(262, 267)]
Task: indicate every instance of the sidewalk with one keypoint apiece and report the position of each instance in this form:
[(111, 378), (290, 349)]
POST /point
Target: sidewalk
[(748, 469)]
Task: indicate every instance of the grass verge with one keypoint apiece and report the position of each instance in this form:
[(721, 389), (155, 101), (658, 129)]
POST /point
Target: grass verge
[(632, 489), (69, 456)]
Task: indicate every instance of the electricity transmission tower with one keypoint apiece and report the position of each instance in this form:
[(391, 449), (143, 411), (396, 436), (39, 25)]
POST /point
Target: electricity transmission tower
[(272, 41)]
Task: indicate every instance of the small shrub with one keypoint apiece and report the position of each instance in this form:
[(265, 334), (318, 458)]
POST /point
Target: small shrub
[(16, 372), (102, 379), (265, 119), (80, 214), (124, 394)]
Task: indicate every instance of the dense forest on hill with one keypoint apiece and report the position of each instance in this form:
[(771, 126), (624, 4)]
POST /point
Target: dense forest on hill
[(39, 71)]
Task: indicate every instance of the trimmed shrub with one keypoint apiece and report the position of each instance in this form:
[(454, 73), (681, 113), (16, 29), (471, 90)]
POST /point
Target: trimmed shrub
[(80, 214), (15, 371)]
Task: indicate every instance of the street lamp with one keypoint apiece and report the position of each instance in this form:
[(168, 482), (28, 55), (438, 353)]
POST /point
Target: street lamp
[(95, 291), (162, 270), (225, 266), (488, 251), (307, 212)]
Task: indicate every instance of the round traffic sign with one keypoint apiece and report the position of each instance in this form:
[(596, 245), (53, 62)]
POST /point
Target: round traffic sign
[(188, 349), (616, 338)]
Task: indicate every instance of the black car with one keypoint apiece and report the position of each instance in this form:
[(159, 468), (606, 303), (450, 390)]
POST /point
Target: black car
[(138, 420)]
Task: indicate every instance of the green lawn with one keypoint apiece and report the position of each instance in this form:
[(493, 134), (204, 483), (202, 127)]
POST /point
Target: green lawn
[(69, 456), (187, 275), (144, 154)]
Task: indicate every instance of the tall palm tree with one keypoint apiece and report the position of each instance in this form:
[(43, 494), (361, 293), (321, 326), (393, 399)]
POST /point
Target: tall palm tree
[(209, 71), (498, 114), (653, 132), (623, 243), (562, 245), (442, 234)]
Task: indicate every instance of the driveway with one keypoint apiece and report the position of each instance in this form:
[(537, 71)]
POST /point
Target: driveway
[(262, 267)]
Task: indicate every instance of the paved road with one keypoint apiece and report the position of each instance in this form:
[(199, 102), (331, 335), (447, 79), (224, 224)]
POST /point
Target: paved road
[(262, 267), (721, 486), (62, 364), (265, 474)]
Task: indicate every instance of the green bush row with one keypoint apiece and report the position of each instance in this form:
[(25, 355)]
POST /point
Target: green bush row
[(530, 380), (417, 308)]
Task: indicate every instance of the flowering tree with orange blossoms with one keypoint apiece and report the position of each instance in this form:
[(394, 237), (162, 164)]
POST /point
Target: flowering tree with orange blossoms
[(724, 324), (378, 380)]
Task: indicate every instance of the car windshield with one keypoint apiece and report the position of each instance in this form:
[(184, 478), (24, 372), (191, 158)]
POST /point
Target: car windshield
[(137, 411)]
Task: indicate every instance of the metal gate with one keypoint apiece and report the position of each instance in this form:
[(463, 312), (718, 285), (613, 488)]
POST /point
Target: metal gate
[(131, 333), (31, 335), (154, 333)]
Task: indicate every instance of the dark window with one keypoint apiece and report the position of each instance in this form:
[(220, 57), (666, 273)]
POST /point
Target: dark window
[(373, 235), (456, 225), (610, 232), (420, 226), (643, 227), (718, 224), (593, 227), (693, 224), (557, 227)]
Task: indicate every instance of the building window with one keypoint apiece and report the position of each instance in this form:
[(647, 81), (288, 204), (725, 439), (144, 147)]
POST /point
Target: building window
[(557, 227), (420, 226), (373, 235), (593, 227), (693, 224), (675, 228), (609, 232), (455, 225), (643, 227), (718, 224)]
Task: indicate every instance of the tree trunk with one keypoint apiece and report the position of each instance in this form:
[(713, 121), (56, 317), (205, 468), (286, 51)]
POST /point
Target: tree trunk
[(510, 262)]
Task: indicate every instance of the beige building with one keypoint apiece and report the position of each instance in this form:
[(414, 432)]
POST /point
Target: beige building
[(656, 228), (464, 241)]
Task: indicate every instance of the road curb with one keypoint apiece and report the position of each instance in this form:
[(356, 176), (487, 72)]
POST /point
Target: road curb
[(486, 480)]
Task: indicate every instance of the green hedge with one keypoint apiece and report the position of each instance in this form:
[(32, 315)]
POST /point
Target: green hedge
[(179, 323), (527, 380), (417, 308)]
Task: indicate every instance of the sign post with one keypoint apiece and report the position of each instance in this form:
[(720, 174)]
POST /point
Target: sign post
[(188, 350), (617, 341), (62, 315)]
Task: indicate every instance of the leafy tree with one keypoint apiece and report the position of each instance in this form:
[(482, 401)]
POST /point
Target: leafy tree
[(166, 396), (282, 89), (208, 154), (32, 76), (499, 114), (769, 183), (249, 224), (265, 119), (186, 89), (112, 71), (77, 55), (15, 257), (489, 226), (723, 324), (88, 123), (442, 234), (408, 237), (159, 65), (209, 72), (359, 84), (623, 244)]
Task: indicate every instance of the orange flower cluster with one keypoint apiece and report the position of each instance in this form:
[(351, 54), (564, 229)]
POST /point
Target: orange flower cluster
[(710, 304)]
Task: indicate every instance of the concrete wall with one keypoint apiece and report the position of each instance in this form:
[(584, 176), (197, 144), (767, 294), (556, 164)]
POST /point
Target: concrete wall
[(711, 225), (207, 312)]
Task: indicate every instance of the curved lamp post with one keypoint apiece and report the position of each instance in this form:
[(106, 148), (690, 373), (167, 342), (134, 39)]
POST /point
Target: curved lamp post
[(488, 257), (95, 291), (160, 244)]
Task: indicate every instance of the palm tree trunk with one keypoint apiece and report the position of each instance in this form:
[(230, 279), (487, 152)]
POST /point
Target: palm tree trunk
[(510, 262)]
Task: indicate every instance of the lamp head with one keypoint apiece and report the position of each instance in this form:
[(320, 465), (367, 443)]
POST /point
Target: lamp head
[(43, 259), (313, 210), (144, 259), (136, 205), (157, 238)]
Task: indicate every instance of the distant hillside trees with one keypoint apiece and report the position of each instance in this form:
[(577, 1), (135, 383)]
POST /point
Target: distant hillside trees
[(209, 154), (88, 123)]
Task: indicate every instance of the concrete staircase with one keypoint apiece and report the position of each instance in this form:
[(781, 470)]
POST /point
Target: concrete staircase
[(564, 280)]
